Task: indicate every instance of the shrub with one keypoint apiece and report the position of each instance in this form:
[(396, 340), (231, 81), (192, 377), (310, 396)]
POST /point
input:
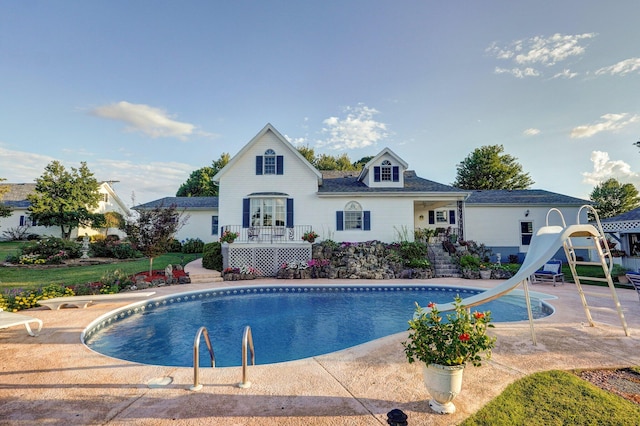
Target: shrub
[(123, 250), (212, 256), (193, 245), (469, 261), (52, 246), (175, 246)]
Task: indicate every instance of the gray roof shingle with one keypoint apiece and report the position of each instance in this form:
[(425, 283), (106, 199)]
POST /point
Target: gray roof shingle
[(348, 182), (192, 203), (627, 216), (522, 196)]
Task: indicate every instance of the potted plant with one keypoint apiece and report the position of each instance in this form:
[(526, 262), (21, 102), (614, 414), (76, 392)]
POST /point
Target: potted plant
[(228, 237), (445, 347), (310, 236), (485, 272)]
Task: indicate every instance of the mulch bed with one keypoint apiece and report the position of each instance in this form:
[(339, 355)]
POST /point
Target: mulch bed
[(623, 382)]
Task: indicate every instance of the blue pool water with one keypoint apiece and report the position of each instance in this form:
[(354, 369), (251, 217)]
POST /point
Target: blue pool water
[(287, 323)]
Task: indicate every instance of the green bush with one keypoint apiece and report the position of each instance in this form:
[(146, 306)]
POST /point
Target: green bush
[(175, 246), (114, 248), (52, 246), (469, 261), (193, 245), (413, 250), (212, 256)]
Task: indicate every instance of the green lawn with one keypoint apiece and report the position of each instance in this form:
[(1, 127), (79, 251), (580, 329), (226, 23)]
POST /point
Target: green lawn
[(555, 398), (29, 278)]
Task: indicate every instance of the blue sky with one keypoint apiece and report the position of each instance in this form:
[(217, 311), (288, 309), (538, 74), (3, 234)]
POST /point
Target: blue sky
[(148, 91)]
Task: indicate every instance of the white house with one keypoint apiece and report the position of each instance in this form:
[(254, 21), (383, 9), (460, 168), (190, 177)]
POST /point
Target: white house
[(16, 199), (270, 195)]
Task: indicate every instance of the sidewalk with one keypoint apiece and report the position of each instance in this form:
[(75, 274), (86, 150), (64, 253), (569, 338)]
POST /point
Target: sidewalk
[(54, 379)]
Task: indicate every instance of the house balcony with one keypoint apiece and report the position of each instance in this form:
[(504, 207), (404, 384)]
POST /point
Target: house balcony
[(269, 234)]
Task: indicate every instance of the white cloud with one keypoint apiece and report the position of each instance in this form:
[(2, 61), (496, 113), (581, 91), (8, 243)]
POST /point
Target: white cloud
[(518, 72), (154, 122), (357, 130), (22, 167), (609, 123), (531, 132), (566, 73), (621, 68), (544, 51), (605, 168)]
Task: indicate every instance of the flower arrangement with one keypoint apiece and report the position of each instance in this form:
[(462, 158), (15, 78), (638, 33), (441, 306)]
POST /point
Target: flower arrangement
[(460, 339), (228, 237), (310, 236)]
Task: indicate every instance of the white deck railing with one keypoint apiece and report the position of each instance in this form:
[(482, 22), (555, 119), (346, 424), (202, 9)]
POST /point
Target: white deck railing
[(268, 234)]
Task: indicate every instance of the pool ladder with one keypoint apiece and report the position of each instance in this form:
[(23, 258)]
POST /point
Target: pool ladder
[(247, 345)]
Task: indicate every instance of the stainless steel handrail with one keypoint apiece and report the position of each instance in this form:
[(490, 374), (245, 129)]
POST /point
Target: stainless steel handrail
[(196, 357), (247, 344)]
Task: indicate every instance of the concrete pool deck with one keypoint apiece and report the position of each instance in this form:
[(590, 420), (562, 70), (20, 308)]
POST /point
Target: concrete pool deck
[(55, 379)]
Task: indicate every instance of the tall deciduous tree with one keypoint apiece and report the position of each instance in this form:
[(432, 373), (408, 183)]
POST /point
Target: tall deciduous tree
[(5, 211), (66, 199), (488, 168), (199, 183), (612, 198), (152, 231)]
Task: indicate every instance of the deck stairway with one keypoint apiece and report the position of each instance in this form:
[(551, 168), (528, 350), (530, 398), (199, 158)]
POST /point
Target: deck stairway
[(443, 264), (198, 274)]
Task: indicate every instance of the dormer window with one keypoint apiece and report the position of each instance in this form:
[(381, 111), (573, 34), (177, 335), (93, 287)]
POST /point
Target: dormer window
[(386, 172), (269, 163)]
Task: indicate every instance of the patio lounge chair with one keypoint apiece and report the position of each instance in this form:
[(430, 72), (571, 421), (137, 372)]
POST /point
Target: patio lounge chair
[(84, 301), (550, 272), (9, 319), (634, 278)]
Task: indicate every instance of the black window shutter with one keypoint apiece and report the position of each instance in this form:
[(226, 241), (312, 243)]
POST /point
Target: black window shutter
[(21, 220), (432, 217), (258, 164), (376, 174), (452, 217), (289, 212), (246, 204), (367, 220), (339, 220), (396, 174), (280, 165)]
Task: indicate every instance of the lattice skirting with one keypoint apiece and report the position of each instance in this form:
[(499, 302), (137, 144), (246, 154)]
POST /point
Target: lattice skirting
[(266, 260)]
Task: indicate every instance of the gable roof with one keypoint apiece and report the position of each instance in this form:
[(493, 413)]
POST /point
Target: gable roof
[(190, 203), (347, 183), (522, 197), (385, 151), (16, 197), (626, 216), (283, 140)]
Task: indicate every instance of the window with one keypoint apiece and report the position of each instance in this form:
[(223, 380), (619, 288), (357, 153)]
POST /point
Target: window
[(526, 232), (26, 221), (353, 218), (385, 171), (268, 211), (214, 225), (442, 217), (269, 163), (105, 198)]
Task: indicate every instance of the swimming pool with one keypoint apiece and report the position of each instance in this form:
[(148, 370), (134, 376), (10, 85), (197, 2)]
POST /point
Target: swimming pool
[(287, 322)]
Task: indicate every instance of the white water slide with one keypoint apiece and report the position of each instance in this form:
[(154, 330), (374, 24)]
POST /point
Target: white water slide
[(544, 245)]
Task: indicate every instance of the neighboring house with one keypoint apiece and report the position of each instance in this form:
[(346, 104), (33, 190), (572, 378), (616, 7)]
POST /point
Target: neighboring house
[(201, 214), (270, 195), (506, 220), (624, 230), (16, 199)]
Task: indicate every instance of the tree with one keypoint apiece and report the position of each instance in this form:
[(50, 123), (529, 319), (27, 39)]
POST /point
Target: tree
[(5, 211), (361, 162), (487, 168), (113, 220), (199, 183), (612, 198), (308, 153), (152, 231), (66, 199)]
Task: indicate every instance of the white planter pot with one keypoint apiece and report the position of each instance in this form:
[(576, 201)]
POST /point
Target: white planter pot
[(443, 384), (485, 275)]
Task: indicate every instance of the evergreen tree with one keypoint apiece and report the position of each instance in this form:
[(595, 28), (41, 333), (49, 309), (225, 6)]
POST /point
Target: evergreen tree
[(612, 198)]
